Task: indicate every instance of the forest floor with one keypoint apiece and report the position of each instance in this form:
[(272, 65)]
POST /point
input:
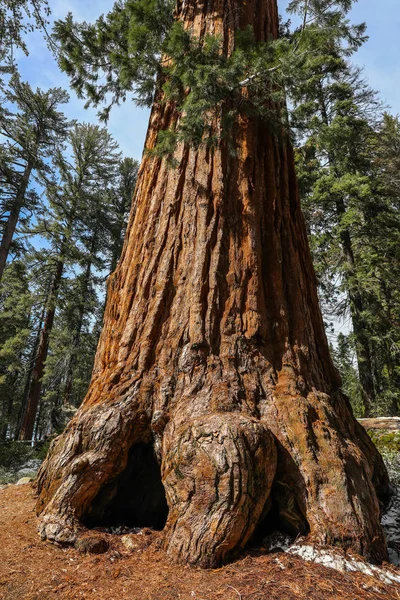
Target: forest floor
[(34, 570)]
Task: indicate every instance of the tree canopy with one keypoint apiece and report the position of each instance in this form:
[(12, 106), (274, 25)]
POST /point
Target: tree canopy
[(139, 50)]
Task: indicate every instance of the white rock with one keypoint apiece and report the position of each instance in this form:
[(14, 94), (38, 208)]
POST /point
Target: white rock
[(24, 480), (130, 542)]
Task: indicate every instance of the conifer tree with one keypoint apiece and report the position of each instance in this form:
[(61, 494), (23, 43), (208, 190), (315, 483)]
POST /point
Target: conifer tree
[(121, 205), (101, 234), (345, 359), (17, 18), (139, 50), (39, 285), (379, 262), (350, 219), (15, 322), (91, 232), (73, 199), (33, 128)]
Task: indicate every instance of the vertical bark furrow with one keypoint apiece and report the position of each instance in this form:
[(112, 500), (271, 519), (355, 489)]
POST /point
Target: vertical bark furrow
[(233, 455)]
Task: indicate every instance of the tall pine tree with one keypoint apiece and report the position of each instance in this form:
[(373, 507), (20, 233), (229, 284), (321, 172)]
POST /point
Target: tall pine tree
[(73, 201), (33, 129)]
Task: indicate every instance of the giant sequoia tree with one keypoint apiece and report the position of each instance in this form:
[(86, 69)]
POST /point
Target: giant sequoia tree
[(214, 407)]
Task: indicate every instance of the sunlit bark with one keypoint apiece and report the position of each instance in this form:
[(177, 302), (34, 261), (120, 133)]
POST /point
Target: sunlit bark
[(213, 353)]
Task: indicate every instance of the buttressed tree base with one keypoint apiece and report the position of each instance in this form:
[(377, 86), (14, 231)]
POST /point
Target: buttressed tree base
[(215, 408)]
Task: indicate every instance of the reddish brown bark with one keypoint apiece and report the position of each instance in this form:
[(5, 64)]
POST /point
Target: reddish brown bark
[(213, 353), (12, 221), (35, 388)]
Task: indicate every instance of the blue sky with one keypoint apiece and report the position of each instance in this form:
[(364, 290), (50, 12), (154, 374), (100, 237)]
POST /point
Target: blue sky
[(379, 57)]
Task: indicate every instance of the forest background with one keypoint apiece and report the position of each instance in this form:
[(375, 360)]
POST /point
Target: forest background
[(75, 181)]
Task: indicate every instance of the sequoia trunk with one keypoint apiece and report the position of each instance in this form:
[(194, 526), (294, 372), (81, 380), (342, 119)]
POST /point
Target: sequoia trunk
[(213, 362)]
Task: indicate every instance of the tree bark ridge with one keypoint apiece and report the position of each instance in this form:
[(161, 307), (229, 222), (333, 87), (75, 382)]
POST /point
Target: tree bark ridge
[(213, 350)]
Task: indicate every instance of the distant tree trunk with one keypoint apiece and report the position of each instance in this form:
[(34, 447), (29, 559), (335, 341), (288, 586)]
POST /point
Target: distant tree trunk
[(123, 204), (28, 377), (117, 243), (12, 220), (7, 412), (36, 434), (363, 351), (391, 358), (35, 388), (5, 417), (71, 363), (213, 375)]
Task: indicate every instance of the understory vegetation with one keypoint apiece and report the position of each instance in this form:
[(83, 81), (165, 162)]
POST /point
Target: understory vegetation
[(388, 444)]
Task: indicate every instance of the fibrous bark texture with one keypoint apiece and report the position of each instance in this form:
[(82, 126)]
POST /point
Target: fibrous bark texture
[(213, 354)]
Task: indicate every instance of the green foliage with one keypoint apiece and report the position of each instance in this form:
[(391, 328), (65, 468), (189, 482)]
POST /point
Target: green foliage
[(32, 130), (41, 449), (17, 18), (64, 187), (76, 226), (353, 216), (14, 455), (351, 196), (15, 320), (385, 440), (120, 53), (120, 206), (89, 191), (138, 49), (388, 444), (345, 360)]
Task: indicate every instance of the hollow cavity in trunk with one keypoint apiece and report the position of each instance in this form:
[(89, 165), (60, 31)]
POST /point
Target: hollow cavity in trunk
[(135, 498)]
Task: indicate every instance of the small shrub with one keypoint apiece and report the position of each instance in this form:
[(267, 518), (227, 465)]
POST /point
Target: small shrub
[(14, 455), (6, 477), (388, 444), (40, 451)]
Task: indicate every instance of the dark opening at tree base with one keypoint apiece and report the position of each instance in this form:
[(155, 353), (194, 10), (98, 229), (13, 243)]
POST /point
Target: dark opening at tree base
[(136, 498), (282, 518)]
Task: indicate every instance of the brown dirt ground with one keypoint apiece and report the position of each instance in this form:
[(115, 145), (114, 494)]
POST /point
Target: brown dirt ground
[(34, 570)]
